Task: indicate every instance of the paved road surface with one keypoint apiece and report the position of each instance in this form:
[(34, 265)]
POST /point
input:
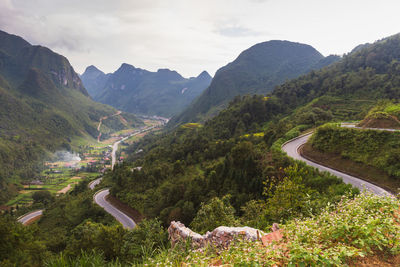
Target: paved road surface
[(99, 198), (116, 144), (26, 218), (93, 183), (353, 125), (291, 148)]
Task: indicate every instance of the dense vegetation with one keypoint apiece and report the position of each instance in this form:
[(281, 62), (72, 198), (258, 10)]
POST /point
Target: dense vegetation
[(43, 105), (255, 71), (384, 115), (346, 234), (74, 228), (371, 73), (164, 93), (196, 164), (376, 148), (370, 154), (230, 170)]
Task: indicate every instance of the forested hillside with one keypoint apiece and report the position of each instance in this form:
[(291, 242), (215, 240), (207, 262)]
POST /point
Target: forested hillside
[(255, 71), (370, 73), (43, 105), (231, 156), (371, 154)]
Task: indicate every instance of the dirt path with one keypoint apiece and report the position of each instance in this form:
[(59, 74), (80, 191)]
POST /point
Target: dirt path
[(122, 119), (104, 118), (64, 190)]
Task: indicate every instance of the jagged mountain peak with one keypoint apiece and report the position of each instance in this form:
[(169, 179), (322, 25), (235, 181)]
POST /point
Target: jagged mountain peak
[(204, 75), (92, 68), (126, 67), (169, 74)]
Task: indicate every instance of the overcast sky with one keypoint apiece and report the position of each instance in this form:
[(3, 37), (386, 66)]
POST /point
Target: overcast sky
[(189, 35)]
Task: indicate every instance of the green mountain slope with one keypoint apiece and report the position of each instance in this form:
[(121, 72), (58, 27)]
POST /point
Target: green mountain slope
[(255, 71), (135, 90), (43, 105), (370, 73)]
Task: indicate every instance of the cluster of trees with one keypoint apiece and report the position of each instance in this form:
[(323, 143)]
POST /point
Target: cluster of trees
[(73, 227), (97, 242)]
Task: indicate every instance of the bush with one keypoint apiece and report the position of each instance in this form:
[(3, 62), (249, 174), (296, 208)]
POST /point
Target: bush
[(43, 197), (216, 212)]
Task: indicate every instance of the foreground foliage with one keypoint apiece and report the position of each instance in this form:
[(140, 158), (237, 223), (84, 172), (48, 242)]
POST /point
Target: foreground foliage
[(354, 228)]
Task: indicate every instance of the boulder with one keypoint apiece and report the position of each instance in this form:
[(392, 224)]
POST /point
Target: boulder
[(221, 236)]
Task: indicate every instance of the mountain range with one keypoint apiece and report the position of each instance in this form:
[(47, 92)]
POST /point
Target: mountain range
[(164, 93), (256, 70), (43, 107), (230, 170)]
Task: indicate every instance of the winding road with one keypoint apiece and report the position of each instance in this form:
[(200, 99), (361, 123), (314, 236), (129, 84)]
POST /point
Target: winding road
[(116, 144), (292, 149), (100, 199), (93, 183), (30, 216)]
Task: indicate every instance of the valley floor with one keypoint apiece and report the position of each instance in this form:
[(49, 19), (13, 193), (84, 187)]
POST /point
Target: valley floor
[(60, 177)]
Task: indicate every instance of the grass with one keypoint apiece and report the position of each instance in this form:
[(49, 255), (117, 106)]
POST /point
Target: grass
[(54, 183)]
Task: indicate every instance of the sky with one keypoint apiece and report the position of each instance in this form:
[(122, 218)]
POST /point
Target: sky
[(190, 36)]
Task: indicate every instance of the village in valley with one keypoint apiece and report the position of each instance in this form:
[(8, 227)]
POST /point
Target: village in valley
[(89, 161)]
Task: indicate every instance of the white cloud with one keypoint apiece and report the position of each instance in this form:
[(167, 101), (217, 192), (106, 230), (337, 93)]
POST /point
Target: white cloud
[(189, 35)]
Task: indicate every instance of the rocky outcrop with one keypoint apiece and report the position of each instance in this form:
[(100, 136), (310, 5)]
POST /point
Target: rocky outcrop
[(178, 233), (220, 237)]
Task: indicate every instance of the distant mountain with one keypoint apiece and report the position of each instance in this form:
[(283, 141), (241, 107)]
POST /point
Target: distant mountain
[(360, 47), (255, 71), (136, 90), (94, 80), (43, 107)]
